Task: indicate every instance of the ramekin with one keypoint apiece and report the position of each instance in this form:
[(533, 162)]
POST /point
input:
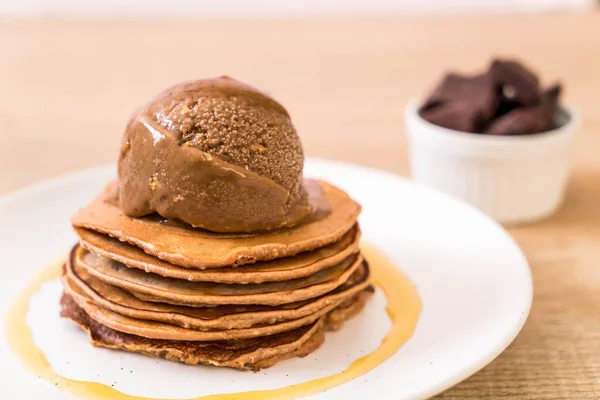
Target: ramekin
[(513, 179)]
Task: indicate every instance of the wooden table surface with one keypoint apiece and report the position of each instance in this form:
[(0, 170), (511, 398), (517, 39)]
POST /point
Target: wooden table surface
[(68, 87)]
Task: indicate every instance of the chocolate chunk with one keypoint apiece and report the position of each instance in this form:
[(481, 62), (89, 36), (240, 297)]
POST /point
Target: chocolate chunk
[(550, 103), (504, 108), (477, 92), (521, 121), (506, 100), (553, 92), (517, 84), (457, 115)]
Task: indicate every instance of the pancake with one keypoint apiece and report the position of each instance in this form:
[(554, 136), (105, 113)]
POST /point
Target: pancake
[(159, 330), (246, 354), (350, 307), (204, 318), (152, 287), (281, 269), (179, 244)]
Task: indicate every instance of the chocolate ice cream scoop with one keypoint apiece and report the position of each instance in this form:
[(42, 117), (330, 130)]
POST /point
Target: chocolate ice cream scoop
[(216, 154)]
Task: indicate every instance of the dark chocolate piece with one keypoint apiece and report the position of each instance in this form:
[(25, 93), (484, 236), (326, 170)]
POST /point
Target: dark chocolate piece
[(521, 121), (553, 92), (457, 115), (477, 92), (507, 100), (516, 83), (550, 101)]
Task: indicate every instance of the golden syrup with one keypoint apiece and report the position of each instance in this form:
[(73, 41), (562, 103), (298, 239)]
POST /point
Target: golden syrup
[(403, 309)]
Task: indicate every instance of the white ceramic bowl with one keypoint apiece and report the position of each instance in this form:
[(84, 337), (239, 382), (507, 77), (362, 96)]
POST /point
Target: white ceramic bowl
[(513, 179)]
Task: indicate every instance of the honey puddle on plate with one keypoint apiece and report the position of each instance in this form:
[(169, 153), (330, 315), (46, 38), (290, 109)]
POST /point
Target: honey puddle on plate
[(403, 309)]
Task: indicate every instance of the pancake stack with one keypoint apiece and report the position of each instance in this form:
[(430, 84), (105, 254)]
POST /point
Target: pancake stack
[(166, 288)]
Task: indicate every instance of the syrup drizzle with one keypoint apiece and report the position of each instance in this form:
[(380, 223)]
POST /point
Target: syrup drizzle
[(403, 309)]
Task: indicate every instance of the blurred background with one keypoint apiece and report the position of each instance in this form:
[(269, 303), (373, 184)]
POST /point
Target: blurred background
[(241, 8), (72, 72)]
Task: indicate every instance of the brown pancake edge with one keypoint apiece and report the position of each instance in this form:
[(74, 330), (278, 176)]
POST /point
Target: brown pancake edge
[(152, 287), (186, 246), (206, 318), (245, 354), (300, 265), (159, 330)]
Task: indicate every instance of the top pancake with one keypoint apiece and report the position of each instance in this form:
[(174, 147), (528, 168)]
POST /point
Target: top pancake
[(185, 246), (301, 265)]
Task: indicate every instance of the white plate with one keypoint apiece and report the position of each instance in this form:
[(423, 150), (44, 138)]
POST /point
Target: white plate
[(474, 282)]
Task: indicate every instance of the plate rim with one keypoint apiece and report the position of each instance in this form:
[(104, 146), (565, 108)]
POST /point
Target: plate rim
[(483, 361), (451, 379)]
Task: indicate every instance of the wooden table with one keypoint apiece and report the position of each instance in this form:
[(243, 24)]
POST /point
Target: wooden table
[(67, 89)]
